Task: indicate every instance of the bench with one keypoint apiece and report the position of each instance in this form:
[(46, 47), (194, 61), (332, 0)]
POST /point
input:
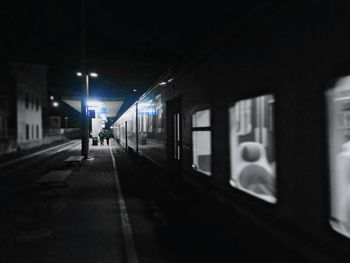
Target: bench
[(55, 179), (74, 160)]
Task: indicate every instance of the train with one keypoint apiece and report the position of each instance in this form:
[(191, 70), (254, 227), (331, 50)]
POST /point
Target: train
[(262, 119)]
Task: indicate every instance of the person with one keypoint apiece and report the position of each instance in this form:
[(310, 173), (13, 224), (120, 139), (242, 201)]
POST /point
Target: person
[(107, 135), (101, 135)]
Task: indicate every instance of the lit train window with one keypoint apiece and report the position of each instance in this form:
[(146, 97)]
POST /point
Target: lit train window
[(252, 154), (159, 113), (243, 116), (201, 141), (338, 102)]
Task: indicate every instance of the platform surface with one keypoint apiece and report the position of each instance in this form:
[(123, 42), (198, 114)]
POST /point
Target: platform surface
[(56, 176), (75, 159)]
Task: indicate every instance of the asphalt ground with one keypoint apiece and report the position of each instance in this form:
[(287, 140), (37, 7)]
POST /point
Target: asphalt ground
[(117, 208)]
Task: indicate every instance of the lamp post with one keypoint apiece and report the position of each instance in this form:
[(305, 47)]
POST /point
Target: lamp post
[(84, 113)]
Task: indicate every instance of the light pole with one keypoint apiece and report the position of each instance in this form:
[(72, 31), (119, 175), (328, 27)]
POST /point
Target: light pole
[(84, 114)]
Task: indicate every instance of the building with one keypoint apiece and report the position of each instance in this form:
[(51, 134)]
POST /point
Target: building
[(31, 86), (23, 97)]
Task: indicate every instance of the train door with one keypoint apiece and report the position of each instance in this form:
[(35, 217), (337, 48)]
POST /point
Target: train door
[(174, 141)]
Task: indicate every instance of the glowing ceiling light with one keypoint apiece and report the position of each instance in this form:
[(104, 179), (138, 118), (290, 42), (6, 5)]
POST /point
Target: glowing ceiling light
[(93, 74), (55, 104), (162, 83), (170, 80), (79, 74)]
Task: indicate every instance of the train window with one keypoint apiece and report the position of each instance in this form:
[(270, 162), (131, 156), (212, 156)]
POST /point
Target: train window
[(338, 104), (201, 119), (243, 116), (159, 113), (146, 112), (201, 141), (252, 147)]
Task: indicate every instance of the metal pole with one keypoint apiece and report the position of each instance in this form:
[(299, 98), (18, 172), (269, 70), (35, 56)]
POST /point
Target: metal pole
[(84, 122), (85, 84)]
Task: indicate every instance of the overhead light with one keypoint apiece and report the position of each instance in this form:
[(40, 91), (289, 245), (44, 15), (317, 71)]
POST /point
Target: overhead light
[(55, 104), (93, 74), (52, 97), (162, 83), (134, 90), (170, 80), (79, 74)]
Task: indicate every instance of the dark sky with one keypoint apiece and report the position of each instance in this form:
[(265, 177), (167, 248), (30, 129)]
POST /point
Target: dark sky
[(129, 43), (136, 30)]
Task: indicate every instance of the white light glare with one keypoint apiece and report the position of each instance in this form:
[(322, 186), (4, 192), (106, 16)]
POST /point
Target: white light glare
[(134, 90), (170, 80), (93, 74), (52, 97), (103, 117), (55, 104), (162, 83), (79, 74), (93, 103)]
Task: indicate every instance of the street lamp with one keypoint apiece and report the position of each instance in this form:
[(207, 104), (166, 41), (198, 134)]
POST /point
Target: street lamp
[(84, 113)]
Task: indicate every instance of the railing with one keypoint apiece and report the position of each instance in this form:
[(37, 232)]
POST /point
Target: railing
[(70, 133)]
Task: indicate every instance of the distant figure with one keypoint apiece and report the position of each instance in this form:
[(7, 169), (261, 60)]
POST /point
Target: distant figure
[(107, 135), (101, 135)]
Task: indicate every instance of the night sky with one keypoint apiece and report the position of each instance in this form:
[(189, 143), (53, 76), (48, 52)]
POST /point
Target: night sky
[(130, 44)]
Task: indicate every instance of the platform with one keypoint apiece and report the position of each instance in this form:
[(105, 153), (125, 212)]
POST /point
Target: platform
[(86, 222), (78, 159), (55, 177)]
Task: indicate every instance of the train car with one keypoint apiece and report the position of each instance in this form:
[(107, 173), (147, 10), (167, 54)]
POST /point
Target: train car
[(151, 126), (261, 122)]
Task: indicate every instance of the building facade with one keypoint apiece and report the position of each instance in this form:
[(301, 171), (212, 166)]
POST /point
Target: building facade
[(23, 93), (31, 86)]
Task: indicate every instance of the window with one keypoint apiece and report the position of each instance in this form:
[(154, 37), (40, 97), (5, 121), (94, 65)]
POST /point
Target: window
[(27, 100), (32, 131), (37, 131), (27, 132), (243, 116), (252, 156), (201, 141), (338, 104), (159, 113)]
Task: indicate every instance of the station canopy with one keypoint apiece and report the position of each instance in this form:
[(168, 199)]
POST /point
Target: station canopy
[(109, 107)]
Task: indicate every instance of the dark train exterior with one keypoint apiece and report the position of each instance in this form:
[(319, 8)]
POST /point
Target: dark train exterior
[(262, 119)]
